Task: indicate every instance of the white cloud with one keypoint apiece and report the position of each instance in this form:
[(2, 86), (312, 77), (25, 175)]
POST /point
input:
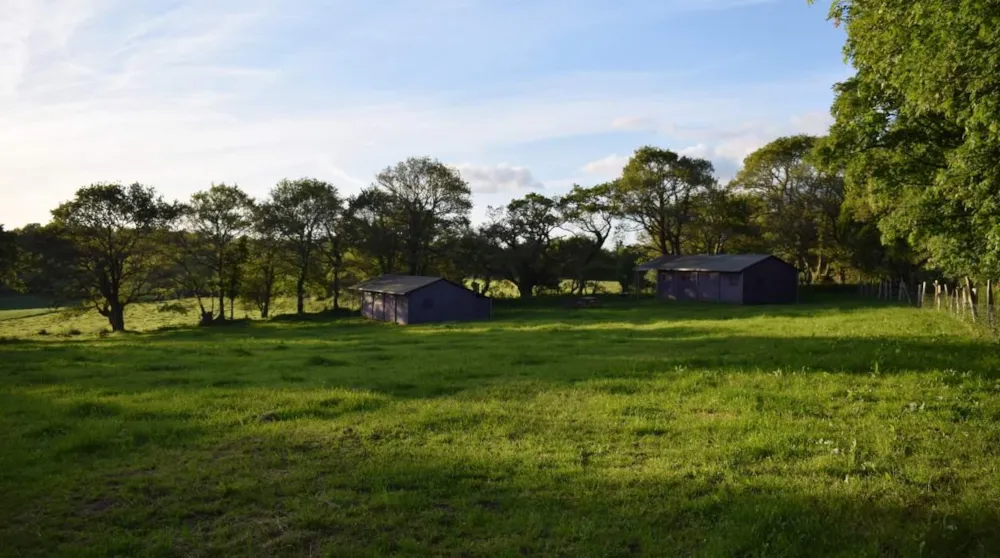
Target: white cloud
[(101, 90), (607, 167), (634, 123), (502, 178), (813, 123)]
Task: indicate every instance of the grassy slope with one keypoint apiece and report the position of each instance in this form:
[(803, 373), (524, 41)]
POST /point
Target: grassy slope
[(709, 430)]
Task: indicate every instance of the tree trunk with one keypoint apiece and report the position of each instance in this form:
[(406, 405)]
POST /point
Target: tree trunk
[(300, 294), (525, 289), (222, 304), (336, 288), (116, 317), (973, 299)]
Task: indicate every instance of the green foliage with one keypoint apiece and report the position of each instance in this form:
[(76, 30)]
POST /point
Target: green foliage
[(297, 211), (523, 235), (656, 193), (704, 430), (429, 201), (116, 235), (9, 255), (916, 129), (215, 224), (800, 204)]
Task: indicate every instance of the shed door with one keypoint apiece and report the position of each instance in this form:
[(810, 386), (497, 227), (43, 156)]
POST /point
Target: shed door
[(708, 286), (687, 285), (665, 284)]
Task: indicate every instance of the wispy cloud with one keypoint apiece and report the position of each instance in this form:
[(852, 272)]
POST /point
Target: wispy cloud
[(607, 167), (499, 178), (182, 93)]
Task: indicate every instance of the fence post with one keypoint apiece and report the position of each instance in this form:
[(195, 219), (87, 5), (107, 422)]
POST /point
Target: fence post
[(973, 299), (990, 317), (923, 294), (937, 294)]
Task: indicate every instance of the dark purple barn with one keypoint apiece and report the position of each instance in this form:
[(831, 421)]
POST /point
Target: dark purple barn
[(732, 278), (413, 299)]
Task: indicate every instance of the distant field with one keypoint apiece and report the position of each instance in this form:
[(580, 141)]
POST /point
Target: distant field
[(633, 429)]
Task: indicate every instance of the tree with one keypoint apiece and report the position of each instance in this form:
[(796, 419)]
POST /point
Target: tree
[(8, 257), (656, 194), (722, 220), (915, 128), (431, 200), (799, 216), (523, 231), (374, 229), (590, 214), (336, 241), (217, 219), (265, 259), (627, 258), (298, 208), (115, 231)]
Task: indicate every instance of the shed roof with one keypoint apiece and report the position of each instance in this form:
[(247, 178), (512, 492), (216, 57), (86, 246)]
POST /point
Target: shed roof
[(655, 264), (723, 263), (397, 284)]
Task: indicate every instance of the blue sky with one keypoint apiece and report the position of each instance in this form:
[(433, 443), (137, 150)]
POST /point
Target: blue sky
[(519, 95)]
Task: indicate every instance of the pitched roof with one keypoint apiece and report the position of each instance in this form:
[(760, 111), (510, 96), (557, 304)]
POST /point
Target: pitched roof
[(396, 284), (724, 263), (655, 264)]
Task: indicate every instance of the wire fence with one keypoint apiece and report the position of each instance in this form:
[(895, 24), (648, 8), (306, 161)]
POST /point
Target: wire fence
[(966, 300)]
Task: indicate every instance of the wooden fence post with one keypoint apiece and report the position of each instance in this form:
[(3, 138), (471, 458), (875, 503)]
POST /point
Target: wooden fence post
[(937, 295), (973, 299), (990, 317)]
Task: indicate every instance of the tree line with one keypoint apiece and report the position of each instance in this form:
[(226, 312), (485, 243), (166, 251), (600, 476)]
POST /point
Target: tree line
[(113, 245)]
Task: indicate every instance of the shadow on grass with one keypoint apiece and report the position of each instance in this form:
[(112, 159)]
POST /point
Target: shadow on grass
[(443, 361), (330, 494)]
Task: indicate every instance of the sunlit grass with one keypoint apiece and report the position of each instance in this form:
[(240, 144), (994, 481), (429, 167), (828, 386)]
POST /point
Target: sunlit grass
[(635, 428)]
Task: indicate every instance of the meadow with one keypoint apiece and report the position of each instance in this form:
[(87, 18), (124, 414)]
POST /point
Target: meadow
[(833, 427)]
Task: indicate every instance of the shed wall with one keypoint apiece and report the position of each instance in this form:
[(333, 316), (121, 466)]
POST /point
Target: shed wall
[(770, 281), (731, 288), (446, 302)]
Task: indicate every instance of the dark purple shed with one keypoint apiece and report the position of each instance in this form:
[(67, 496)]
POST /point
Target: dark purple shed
[(733, 278), (414, 299)]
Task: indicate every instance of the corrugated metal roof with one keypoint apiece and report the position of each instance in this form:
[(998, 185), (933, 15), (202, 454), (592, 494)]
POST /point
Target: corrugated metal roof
[(723, 263), (655, 264), (396, 284)]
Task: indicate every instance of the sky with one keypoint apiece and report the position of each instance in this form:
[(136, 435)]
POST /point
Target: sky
[(519, 95)]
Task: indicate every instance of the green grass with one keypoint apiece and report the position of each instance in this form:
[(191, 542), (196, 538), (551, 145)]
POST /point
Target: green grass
[(633, 429)]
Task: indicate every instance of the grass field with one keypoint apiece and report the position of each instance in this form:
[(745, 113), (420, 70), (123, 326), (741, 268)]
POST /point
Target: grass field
[(634, 429)]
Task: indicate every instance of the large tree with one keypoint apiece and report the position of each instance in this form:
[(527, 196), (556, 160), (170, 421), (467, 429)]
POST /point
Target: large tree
[(523, 230), (431, 201), (298, 209), (373, 226), (265, 263), (722, 222), (217, 219), (799, 210), (916, 127), (589, 214), (117, 233), (656, 193)]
